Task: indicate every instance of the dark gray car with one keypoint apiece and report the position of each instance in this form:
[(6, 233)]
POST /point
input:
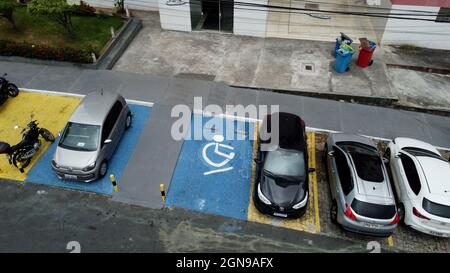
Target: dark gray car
[(362, 197), (91, 136)]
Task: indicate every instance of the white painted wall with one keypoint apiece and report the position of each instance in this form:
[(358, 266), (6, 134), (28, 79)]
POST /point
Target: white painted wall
[(175, 17), (132, 4), (250, 22), (417, 33)]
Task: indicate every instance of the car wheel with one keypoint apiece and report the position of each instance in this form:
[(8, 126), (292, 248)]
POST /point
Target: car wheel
[(103, 169), (334, 212), (128, 121), (401, 213)]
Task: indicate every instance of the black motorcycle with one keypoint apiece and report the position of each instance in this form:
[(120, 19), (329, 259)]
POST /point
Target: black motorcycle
[(7, 89), (21, 154)]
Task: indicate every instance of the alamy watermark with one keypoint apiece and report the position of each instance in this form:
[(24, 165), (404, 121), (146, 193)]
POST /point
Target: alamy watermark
[(222, 125)]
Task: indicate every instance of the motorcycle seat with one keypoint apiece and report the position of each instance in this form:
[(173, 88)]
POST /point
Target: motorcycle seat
[(4, 147)]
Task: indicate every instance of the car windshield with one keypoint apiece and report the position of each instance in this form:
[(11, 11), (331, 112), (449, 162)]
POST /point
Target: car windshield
[(374, 211), (367, 161), (436, 209), (421, 152), (80, 137), (283, 162)]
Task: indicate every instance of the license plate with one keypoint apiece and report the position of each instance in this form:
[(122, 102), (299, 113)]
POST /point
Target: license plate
[(71, 177), (280, 214), (370, 225)]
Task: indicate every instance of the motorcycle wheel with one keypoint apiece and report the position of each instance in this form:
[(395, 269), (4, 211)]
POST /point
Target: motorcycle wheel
[(17, 157), (47, 135), (13, 91)]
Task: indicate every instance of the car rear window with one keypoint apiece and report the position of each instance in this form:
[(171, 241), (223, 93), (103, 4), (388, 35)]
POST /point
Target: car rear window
[(367, 161), (436, 209), (375, 211)]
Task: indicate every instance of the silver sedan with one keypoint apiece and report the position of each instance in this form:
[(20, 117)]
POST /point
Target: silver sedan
[(362, 197)]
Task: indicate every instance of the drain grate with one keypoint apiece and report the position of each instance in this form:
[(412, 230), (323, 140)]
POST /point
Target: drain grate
[(308, 67)]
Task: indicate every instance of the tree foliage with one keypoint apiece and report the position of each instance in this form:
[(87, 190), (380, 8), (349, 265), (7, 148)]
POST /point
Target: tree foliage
[(57, 10), (7, 8)]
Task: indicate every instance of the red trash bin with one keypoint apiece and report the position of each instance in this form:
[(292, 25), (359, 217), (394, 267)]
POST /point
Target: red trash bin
[(365, 56)]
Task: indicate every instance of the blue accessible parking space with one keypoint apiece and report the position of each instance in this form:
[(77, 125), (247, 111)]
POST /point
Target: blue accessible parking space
[(42, 172), (213, 172)]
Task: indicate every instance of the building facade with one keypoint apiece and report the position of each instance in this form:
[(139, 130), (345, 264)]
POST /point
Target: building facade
[(310, 20)]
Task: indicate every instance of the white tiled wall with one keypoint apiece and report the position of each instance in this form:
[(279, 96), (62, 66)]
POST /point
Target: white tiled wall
[(417, 33), (250, 22), (175, 17)]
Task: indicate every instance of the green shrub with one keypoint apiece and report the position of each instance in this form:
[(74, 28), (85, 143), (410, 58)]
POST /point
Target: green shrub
[(58, 11), (7, 8), (83, 9), (45, 52)]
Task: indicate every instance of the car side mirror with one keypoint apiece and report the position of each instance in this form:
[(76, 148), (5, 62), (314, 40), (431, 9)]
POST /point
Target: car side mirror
[(311, 170), (107, 141), (331, 153), (397, 155)]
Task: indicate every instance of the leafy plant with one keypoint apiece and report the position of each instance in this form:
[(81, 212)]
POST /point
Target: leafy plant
[(7, 8), (57, 10), (120, 6)]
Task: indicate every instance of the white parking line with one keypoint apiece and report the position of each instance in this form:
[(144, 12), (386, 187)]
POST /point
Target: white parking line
[(207, 114), (57, 93)]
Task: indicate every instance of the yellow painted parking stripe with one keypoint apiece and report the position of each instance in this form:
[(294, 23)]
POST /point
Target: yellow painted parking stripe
[(312, 161), (390, 241)]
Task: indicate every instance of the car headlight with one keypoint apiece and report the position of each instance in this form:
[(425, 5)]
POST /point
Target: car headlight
[(90, 167), (55, 164), (302, 203), (262, 197)]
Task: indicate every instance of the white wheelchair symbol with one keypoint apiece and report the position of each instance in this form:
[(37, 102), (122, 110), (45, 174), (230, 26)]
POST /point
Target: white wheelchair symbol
[(227, 156)]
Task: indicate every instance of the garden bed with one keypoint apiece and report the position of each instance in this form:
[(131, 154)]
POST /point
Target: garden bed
[(38, 37)]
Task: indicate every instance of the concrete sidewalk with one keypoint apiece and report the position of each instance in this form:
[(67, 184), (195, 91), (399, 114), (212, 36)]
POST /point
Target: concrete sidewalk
[(269, 63), (281, 64)]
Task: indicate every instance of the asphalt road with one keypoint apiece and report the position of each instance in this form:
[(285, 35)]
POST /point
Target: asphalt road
[(44, 219)]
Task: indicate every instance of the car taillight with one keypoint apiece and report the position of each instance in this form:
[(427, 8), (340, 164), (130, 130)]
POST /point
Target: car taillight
[(417, 213), (395, 221), (349, 213)]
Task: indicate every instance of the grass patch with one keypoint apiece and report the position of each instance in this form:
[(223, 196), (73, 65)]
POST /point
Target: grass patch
[(91, 31)]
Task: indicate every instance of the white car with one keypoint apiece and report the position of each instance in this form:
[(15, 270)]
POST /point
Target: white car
[(422, 182)]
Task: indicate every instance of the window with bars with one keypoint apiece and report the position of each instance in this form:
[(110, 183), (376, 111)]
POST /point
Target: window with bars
[(443, 15)]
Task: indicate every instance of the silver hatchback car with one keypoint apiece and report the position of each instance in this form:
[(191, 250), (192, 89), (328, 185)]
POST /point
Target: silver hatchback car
[(91, 136), (362, 197)]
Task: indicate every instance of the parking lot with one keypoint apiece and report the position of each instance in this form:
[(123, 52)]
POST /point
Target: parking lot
[(202, 180), (230, 195), (404, 238), (52, 112)]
